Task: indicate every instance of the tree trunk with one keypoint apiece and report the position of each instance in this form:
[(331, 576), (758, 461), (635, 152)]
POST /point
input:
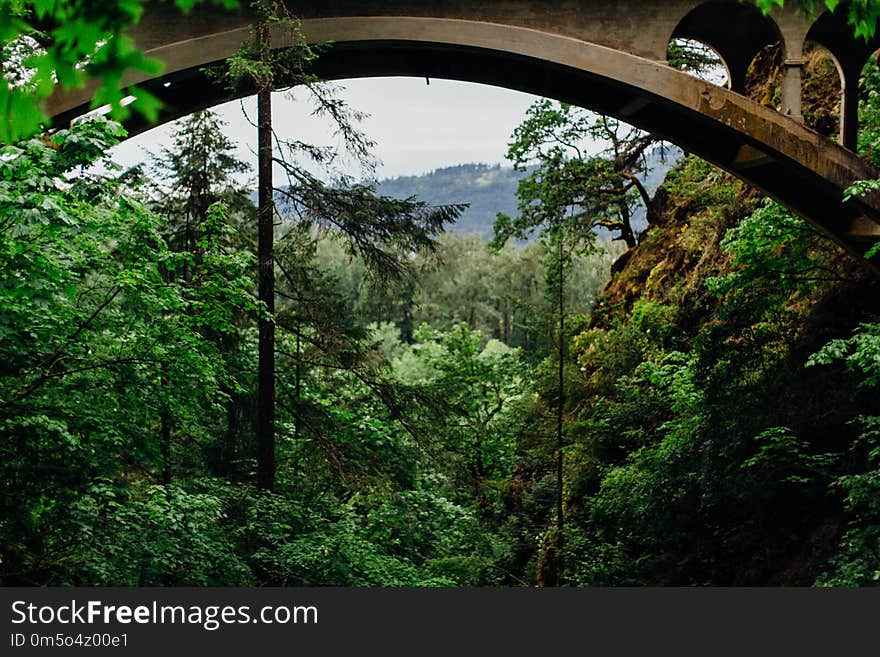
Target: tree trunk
[(166, 449), (627, 234), (165, 432), (298, 402), (560, 521), (265, 257)]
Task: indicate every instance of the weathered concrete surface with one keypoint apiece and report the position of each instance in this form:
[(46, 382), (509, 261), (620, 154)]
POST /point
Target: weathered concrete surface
[(608, 56)]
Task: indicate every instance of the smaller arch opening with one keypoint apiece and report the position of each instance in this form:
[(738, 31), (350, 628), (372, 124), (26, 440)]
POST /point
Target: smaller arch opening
[(735, 31), (763, 82), (868, 138), (821, 90), (832, 31), (698, 59)]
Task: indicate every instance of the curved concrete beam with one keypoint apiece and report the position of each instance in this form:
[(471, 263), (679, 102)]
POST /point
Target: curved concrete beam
[(798, 167)]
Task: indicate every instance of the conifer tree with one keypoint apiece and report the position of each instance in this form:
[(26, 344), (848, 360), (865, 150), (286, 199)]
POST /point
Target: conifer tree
[(197, 169), (265, 259), (199, 181), (383, 231)]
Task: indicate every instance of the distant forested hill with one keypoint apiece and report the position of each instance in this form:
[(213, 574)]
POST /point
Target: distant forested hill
[(490, 189)]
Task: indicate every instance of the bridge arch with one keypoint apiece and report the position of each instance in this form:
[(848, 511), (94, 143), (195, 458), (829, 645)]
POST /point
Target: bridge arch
[(789, 162)]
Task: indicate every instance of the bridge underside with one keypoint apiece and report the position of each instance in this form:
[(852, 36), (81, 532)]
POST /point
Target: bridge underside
[(804, 171)]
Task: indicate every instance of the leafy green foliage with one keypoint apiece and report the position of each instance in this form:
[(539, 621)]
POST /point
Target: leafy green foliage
[(66, 44), (89, 254), (859, 353), (861, 14), (857, 562), (159, 536), (869, 111), (772, 244), (566, 185)]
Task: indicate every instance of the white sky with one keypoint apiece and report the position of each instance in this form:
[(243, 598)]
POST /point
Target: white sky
[(417, 127)]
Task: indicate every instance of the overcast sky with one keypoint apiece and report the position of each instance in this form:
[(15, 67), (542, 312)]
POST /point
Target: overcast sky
[(417, 127)]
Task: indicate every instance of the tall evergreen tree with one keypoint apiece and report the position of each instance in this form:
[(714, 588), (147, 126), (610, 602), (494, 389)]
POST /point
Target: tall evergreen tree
[(265, 259), (197, 169), (383, 231), (202, 197)]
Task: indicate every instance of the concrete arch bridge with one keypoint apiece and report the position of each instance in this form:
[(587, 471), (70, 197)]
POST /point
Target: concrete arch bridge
[(605, 55)]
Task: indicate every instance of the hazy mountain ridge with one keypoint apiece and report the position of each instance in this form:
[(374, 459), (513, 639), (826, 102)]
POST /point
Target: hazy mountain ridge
[(490, 189)]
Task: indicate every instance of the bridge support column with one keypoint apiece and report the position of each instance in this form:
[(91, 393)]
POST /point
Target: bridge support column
[(792, 83), (793, 28), (849, 109)]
